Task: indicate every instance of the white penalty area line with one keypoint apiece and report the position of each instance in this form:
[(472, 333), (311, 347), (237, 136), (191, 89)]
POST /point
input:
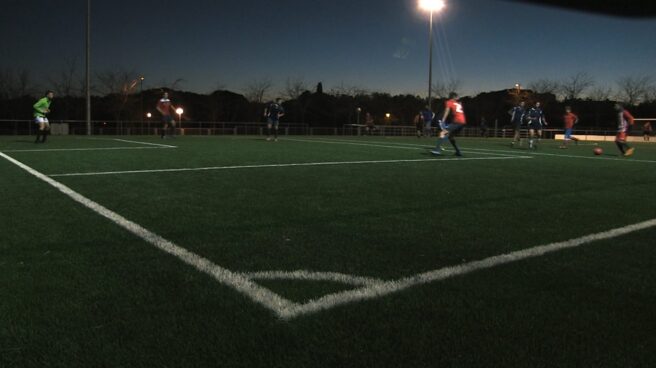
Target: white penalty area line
[(84, 149), (301, 164), (623, 159), (146, 143), (408, 146)]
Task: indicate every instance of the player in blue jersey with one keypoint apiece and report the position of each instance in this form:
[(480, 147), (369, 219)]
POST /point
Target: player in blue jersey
[(536, 121), (273, 112), (517, 114), (424, 121)]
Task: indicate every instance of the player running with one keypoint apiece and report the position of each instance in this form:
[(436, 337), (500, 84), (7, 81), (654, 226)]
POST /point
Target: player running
[(516, 119), (570, 119), (165, 108), (536, 121), (41, 109), (625, 123), (273, 113), (453, 108)]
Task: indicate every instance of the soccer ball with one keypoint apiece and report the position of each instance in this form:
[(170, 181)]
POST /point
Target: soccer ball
[(597, 151)]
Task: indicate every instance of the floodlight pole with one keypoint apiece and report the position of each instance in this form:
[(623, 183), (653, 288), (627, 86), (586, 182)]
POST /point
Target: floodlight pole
[(430, 61), (88, 67)]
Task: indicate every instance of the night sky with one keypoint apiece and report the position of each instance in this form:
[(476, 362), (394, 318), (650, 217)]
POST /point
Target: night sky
[(377, 45)]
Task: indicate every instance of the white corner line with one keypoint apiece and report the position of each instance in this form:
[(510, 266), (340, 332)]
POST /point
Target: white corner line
[(305, 275), (378, 290), (237, 281)]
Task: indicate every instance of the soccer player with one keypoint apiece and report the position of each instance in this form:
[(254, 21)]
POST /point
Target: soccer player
[(425, 122), (516, 119), (273, 113), (453, 108), (165, 108), (536, 121), (646, 130), (41, 110), (625, 122), (570, 120)]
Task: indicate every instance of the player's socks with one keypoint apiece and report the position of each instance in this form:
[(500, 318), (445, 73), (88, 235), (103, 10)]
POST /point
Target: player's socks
[(38, 135), (620, 146), (44, 136)]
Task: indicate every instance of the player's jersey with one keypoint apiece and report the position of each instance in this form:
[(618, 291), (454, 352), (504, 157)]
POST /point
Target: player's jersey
[(41, 106), (274, 111), (457, 112), (535, 116), (164, 106), (570, 119), (625, 121), (517, 114), (427, 116)]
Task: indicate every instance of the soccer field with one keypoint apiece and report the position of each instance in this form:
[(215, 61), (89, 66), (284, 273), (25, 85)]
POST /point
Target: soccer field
[(325, 252)]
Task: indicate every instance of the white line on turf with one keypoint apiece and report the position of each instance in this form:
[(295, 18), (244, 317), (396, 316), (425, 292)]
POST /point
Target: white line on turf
[(314, 276), (234, 280), (372, 289), (328, 163), (484, 151), (381, 289), (85, 149), (146, 143)]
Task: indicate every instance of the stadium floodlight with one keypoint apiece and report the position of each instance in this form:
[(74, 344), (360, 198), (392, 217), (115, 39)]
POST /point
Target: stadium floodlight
[(149, 115), (431, 6)]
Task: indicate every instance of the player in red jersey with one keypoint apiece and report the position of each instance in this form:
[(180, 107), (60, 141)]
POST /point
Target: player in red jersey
[(625, 123), (454, 109), (570, 120), (165, 108)]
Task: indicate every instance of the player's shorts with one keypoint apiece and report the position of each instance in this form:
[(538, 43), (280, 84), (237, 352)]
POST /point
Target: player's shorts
[(568, 134), (517, 125), (454, 128), (272, 121), (535, 126), (167, 119), (41, 120)]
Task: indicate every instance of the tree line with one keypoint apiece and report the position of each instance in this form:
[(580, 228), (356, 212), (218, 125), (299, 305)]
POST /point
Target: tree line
[(118, 96)]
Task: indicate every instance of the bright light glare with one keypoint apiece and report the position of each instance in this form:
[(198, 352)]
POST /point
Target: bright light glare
[(149, 115), (431, 5), (179, 111)]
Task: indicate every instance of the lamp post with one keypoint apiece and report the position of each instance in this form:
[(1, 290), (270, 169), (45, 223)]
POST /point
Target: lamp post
[(141, 79), (358, 110), (148, 116), (179, 111), (430, 6)]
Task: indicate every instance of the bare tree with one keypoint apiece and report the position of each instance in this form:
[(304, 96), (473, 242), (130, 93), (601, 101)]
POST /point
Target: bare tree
[(600, 93), (118, 85), (634, 88), (16, 83), (573, 86), (441, 89), (544, 85), (256, 90), (66, 83), (294, 88), (343, 89)]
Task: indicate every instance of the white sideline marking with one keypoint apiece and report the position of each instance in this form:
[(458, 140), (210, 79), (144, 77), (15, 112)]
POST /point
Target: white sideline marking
[(314, 276), (234, 280), (328, 163), (84, 149)]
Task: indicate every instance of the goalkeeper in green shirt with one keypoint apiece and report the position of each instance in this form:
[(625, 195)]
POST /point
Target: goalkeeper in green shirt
[(41, 110)]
